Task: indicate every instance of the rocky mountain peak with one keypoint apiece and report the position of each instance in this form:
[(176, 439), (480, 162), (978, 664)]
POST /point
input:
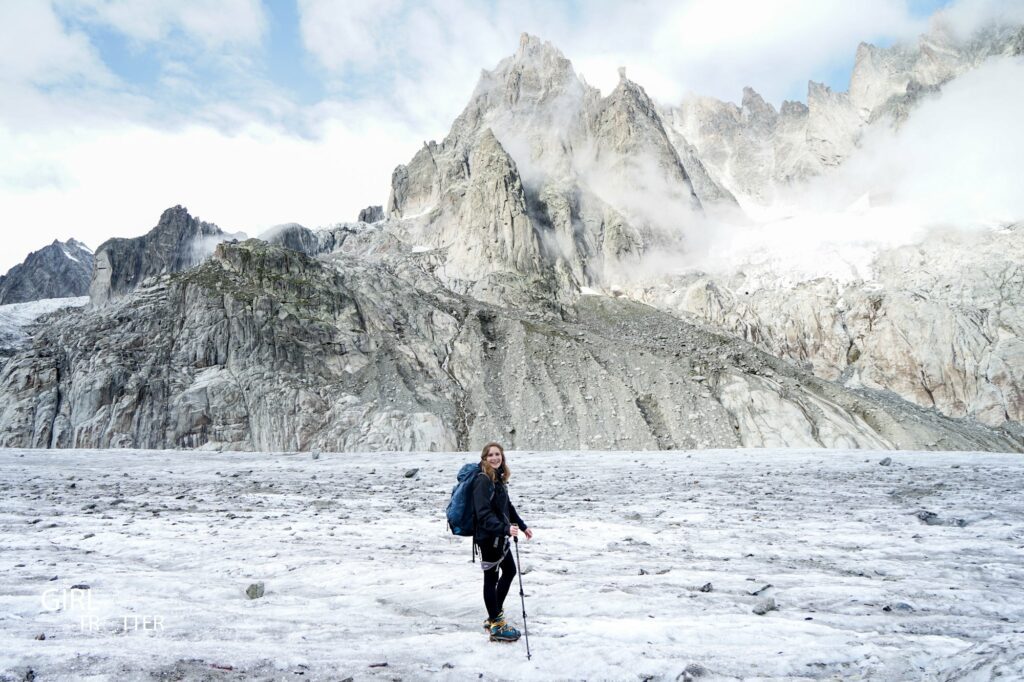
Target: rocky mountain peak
[(178, 220), (792, 109), (537, 50), (833, 124), (633, 103), (75, 245), (878, 74), (544, 170), (534, 95), (536, 73), (489, 150), (58, 270), (755, 110), (177, 242), (628, 125), (371, 214), (817, 92), (881, 76)]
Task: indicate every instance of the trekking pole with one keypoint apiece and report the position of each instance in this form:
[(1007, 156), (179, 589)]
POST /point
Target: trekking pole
[(522, 598)]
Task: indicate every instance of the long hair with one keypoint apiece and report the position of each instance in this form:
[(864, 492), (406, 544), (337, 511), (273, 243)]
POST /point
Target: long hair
[(491, 472)]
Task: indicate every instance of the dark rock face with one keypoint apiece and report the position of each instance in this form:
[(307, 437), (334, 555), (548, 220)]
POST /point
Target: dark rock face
[(352, 238), (371, 214), (299, 238), (60, 270), (178, 242)]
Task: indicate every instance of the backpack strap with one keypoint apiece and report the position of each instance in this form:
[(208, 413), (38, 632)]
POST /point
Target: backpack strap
[(473, 560), (488, 565)]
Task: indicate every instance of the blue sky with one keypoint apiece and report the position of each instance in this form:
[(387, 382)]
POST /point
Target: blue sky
[(254, 113)]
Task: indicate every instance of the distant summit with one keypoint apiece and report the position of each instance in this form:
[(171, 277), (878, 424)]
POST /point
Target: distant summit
[(60, 270)]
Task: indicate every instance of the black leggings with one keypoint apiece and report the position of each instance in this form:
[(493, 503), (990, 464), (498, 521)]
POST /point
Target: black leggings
[(495, 587)]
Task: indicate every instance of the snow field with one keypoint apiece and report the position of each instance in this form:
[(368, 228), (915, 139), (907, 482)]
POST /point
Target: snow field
[(907, 571)]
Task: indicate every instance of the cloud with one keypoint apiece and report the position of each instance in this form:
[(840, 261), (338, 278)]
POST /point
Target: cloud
[(52, 75), (717, 48), (965, 17), (36, 49), (115, 183), (958, 155), (213, 23), (200, 64), (343, 34), (954, 164)]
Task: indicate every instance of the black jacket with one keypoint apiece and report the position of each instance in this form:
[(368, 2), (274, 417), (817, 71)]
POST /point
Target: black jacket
[(494, 510)]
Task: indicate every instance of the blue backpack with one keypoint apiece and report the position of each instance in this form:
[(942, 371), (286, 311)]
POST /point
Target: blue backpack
[(460, 513)]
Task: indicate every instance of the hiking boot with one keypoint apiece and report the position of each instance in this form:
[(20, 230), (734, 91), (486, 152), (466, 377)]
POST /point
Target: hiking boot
[(503, 632), (500, 620)]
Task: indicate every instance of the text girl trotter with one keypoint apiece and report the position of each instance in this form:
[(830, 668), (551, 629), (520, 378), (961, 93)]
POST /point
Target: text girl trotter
[(496, 521)]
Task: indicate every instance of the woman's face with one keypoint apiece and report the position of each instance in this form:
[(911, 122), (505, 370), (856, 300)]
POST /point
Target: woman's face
[(494, 457)]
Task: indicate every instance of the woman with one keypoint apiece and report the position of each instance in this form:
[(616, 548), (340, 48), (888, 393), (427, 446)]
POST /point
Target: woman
[(496, 521)]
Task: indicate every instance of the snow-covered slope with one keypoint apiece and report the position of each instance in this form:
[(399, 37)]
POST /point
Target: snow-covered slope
[(14, 317), (643, 566)]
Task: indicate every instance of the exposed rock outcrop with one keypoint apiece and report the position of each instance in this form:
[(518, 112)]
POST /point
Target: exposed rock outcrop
[(589, 183), (264, 348), (939, 322), (17, 319), (627, 133), (60, 270), (352, 238), (259, 347), (177, 243), (753, 149), (371, 214)]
